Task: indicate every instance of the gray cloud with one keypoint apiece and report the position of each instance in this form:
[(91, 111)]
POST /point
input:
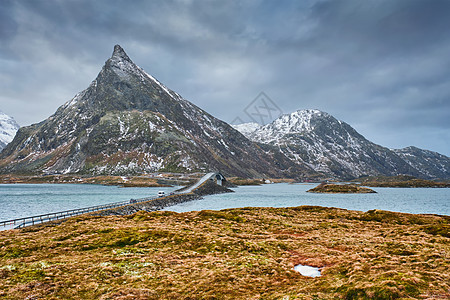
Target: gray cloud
[(381, 66)]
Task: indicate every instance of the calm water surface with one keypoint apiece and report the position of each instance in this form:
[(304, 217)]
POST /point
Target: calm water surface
[(409, 200), (24, 200)]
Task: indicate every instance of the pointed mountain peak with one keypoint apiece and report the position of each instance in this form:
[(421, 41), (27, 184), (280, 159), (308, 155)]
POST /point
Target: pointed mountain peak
[(119, 53), (121, 64)]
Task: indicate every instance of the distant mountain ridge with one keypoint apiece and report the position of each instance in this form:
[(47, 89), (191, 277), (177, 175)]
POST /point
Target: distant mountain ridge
[(334, 148), (431, 164), (126, 122), (8, 129)]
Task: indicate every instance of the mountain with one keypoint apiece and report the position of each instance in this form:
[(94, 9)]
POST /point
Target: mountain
[(126, 122), (334, 148), (8, 129), (431, 164)]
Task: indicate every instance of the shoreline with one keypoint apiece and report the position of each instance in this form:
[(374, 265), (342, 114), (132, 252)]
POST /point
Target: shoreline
[(167, 180), (122, 181)]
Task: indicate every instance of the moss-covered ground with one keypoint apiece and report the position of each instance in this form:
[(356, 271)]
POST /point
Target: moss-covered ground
[(402, 181), (330, 188), (246, 253)]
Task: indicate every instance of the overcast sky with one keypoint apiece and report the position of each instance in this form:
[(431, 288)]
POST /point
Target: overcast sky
[(381, 66)]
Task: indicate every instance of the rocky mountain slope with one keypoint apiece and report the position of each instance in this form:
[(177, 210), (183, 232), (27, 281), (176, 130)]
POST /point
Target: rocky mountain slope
[(431, 164), (8, 129), (126, 122), (334, 148)]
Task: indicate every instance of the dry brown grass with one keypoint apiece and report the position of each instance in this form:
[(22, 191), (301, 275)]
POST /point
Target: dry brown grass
[(246, 253), (130, 181), (245, 181), (257, 181), (401, 181), (329, 188), (282, 180)]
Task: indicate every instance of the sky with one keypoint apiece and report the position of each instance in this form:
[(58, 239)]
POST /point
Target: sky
[(381, 66)]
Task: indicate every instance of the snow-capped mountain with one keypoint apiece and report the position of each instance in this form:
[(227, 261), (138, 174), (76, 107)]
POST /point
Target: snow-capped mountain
[(8, 129), (334, 148), (246, 128), (125, 122)]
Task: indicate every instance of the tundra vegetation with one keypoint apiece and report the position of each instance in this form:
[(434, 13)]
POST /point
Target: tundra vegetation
[(125, 181), (402, 181), (331, 188), (246, 253), (258, 181)]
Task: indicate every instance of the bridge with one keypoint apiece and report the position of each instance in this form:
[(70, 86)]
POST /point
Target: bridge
[(34, 220), (210, 176)]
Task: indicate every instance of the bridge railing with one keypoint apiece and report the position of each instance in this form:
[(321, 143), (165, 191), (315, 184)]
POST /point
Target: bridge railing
[(33, 220)]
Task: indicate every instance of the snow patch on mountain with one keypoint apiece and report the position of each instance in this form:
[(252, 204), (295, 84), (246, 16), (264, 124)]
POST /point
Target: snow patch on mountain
[(246, 128), (8, 129)]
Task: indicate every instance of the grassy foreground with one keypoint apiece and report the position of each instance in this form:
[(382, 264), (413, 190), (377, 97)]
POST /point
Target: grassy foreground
[(246, 253)]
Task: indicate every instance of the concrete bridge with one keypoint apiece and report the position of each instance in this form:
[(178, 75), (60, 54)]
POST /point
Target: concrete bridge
[(216, 176), (33, 220)]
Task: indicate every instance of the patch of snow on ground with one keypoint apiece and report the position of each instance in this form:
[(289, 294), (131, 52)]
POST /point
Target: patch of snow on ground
[(123, 130), (307, 271), (151, 126)]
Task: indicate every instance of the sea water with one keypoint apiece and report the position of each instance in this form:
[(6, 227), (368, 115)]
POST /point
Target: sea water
[(408, 200), (25, 200)]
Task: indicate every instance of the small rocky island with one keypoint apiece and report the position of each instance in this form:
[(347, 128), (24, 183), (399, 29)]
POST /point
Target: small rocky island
[(331, 188)]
